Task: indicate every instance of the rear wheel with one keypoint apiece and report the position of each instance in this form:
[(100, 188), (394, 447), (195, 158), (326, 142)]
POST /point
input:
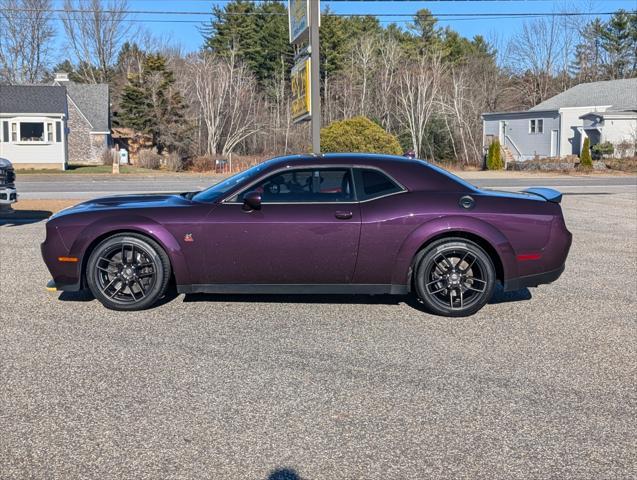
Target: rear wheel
[(128, 272), (454, 277)]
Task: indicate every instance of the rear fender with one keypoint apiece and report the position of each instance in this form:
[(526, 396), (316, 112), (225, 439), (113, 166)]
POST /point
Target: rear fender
[(448, 226), (137, 224)]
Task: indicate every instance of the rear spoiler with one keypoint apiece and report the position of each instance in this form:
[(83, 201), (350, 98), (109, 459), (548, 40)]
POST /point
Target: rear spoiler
[(547, 194)]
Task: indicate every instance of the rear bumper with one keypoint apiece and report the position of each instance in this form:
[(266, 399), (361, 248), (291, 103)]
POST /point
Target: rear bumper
[(533, 280)]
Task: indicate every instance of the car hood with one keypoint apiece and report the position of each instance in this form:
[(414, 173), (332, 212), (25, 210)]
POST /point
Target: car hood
[(122, 202)]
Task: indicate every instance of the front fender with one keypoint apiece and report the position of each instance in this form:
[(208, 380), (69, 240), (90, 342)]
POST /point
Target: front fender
[(138, 224), (448, 225)]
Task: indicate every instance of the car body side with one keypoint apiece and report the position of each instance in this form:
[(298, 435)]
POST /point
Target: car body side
[(525, 235)]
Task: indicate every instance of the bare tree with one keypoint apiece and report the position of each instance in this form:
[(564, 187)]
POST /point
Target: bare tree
[(226, 93), (95, 31), (462, 103), (390, 58), (25, 39), (418, 92), (535, 56), (364, 54)]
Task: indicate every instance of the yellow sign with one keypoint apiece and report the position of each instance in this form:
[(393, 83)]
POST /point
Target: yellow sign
[(301, 94), (299, 15)]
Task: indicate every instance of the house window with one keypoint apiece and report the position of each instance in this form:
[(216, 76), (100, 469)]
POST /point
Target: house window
[(49, 132), (32, 132), (536, 125), (58, 132), (14, 132), (5, 132)]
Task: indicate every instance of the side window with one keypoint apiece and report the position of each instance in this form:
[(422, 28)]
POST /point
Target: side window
[(372, 184), (306, 185)]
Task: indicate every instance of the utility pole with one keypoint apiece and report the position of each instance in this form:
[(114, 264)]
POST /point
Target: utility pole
[(315, 72)]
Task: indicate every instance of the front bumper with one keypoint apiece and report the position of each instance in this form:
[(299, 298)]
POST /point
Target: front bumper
[(66, 276), (8, 195)]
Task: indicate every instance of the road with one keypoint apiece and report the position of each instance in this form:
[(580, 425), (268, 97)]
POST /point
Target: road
[(539, 384), (80, 186)]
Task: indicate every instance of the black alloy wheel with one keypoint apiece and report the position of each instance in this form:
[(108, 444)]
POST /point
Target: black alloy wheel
[(128, 272), (454, 277)]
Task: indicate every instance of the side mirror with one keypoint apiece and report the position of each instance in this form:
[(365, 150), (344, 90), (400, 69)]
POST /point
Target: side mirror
[(252, 201)]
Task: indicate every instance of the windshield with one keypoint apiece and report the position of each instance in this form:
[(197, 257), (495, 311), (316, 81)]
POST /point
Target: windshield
[(216, 191)]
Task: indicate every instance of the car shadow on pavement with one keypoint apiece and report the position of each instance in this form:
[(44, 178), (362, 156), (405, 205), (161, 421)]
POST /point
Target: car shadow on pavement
[(23, 217), (284, 474), (81, 296), (85, 295), (499, 296), (300, 298)]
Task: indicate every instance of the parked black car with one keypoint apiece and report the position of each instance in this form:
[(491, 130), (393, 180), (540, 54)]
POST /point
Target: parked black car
[(8, 193)]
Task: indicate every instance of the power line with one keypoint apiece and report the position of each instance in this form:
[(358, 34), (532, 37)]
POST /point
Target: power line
[(331, 14), (193, 22)]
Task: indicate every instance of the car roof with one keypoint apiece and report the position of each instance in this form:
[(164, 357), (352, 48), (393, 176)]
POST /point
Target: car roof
[(336, 158), (415, 174)]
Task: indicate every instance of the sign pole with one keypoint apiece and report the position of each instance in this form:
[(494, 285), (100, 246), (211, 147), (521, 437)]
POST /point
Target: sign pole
[(315, 88)]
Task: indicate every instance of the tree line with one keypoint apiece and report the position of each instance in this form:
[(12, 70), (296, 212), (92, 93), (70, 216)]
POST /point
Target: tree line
[(424, 83)]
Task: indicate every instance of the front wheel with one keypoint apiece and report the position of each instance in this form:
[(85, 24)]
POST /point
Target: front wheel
[(454, 277), (128, 272)]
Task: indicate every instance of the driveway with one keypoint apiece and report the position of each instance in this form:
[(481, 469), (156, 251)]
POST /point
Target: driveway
[(539, 384)]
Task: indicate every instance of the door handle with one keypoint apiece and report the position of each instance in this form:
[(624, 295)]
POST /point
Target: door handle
[(343, 215)]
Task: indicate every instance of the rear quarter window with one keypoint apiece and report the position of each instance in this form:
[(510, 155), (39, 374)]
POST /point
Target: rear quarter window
[(372, 183)]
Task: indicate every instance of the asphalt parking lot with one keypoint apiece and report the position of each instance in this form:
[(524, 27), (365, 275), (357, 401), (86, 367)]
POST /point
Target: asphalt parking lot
[(539, 384)]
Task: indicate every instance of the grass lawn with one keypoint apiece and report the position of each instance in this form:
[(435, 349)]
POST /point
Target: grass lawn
[(90, 169)]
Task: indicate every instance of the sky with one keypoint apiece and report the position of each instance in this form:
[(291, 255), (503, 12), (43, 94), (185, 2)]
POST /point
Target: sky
[(187, 35)]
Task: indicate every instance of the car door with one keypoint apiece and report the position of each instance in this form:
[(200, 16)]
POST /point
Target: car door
[(306, 231)]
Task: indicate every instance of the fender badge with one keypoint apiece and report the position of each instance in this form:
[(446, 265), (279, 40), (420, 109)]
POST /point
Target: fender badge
[(188, 238)]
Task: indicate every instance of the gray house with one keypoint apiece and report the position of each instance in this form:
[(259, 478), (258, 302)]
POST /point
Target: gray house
[(49, 126), (557, 127)]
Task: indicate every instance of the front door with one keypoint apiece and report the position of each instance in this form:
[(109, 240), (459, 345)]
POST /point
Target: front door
[(306, 231)]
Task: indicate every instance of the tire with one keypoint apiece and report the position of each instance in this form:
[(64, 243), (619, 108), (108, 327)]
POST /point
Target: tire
[(128, 272), (454, 277)]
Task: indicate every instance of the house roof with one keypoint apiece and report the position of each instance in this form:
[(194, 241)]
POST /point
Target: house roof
[(618, 94), (32, 99), (93, 101)]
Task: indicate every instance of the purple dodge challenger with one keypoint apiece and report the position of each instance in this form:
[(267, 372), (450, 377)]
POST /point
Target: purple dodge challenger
[(326, 224)]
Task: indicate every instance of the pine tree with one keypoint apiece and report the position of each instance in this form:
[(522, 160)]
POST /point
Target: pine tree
[(333, 44), (617, 42), (494, 156), (134, 106), (586, 161), (150, 104), (256, 33)]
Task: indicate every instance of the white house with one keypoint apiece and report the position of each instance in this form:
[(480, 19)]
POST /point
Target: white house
[(557, 127), (33, 121), (50, 126)]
